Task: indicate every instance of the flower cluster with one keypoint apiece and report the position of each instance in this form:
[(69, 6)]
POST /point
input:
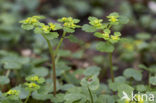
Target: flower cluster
[(33, 82), (31, 22), (35, 79), (95, 22), (12, 92), (103, 30), (69, 25), (50, 27), (113, 18), (69, 22), (32, 86), (115, 38)]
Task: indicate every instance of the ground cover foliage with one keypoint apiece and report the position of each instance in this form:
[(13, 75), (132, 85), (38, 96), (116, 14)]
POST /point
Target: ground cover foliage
[(77, 52)]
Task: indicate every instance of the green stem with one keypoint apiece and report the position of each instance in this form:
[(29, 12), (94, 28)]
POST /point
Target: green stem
[(52, 54), (7, 73), (109, 26), (149, 85), (28, 97), (91, 96), (60, 42), (20, 100), (111, 67)]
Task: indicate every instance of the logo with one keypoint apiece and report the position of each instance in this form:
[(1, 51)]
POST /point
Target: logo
[(138, 97)]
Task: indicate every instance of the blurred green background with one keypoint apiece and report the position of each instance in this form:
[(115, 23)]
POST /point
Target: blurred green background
[(24, 50), (142, 14), (142, 24)]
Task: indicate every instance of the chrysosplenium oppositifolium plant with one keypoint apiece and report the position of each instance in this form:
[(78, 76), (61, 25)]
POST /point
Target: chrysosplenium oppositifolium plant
[(103, 30), (90, 89), (49, 32), (14, 95)]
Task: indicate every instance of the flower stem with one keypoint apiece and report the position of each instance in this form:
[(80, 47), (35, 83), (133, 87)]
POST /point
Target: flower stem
[(7, 73), (60, 42), (91, 96), (53, 63), (28, 97), (111, 67)]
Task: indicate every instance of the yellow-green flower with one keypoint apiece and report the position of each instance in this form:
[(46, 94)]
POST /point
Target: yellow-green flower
[(64, 19), (45, 28), (113, 19), (34, 78), (30, 20), (69, 25), (52, 26), (32, 85), (115, 38), (13, 92), (69, 22), (95, 22), (106, 36)]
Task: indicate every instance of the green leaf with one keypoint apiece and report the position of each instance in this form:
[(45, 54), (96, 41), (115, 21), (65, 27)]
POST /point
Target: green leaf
[(4, 80), (88, 28), (114, 14), (14, 62), (41, 96), (117, 33), (64, 53), (52, 35), (153, 80), (73, 39), (105, 47), (120, 79), (12, 65), (38, 30), (67, 86), (40, 71), (125, 88), (90, 81), (105, 99), (143, 36), (93, 70), (27, 26), (61, 68), (23, 93), (78, 54), (68, 30), (59, 98), (73, 97), (141, 88), (123, 20), (114, 85), (133, 73), (98, 34)]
